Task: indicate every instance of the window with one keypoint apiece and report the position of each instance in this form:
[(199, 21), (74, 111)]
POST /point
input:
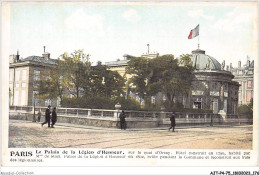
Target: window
[(248, 96), (17, 75), (164, 98), (23, 98), (17, 85), (35, 99), (249, 84), (47, 102), (153, 99), (23, 84), (197, 103), (11, 76), (36, 75), (24, 75), (16, 96)]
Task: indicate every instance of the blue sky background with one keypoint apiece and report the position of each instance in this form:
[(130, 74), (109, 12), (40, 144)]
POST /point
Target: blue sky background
[(107, 31)]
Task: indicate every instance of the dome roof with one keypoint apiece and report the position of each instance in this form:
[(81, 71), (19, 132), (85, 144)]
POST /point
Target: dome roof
[(200, 60)]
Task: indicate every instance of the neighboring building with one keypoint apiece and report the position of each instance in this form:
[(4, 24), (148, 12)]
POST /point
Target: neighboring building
[(245, 76), (23, 77)]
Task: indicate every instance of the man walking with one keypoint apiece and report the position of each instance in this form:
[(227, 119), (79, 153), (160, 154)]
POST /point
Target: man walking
[(173, 123), (122, 120), (47, 116), (53, 117)]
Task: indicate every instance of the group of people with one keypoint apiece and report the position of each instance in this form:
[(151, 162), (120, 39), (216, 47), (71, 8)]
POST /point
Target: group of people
[(50, 117), (123, 122)]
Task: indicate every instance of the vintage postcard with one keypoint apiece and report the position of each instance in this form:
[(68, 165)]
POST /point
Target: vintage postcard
[(129, 84)]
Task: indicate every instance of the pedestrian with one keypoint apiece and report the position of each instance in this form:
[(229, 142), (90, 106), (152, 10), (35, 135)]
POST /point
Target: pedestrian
[(47, 116), (53, 117), (122, 120), (173, 123), (39, 115)]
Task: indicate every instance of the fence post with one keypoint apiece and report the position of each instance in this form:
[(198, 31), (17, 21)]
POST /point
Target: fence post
[(102, 113), (211, 120), (89, 112)]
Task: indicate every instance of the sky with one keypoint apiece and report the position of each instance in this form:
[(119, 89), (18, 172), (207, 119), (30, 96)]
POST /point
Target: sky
[(107, 31)]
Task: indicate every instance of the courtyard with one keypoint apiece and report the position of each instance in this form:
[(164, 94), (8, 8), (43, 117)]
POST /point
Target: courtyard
[(26, 134)]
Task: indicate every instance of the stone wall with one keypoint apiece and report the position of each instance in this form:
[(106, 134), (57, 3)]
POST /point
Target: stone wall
[(162, 122)]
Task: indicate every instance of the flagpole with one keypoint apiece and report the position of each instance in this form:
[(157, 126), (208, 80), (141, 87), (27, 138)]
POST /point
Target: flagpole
[(199, 42)]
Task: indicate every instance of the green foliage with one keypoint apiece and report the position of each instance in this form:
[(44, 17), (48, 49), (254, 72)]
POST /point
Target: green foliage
[(128, 104), (105, 82), (73, 75), (50, 85), (76, 70), (139, 69), (163, 74), (100, 103), (246, 109), (176, 106), (88, 102)]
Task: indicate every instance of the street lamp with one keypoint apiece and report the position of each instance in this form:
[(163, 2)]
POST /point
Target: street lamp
[(34, 119)]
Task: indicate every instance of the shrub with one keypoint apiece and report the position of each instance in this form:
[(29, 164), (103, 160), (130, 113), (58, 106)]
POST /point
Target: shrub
[(100, 103), (245, 110), (128, 104), (88, 102)]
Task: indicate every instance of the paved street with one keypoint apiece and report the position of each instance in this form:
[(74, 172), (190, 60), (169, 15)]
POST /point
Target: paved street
[(28, 134)]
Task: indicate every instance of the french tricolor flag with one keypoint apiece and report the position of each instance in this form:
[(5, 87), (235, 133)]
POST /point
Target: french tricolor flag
[(194, 32)]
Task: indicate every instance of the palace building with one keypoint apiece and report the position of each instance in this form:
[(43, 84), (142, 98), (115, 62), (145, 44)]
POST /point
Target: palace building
[(213, 87)]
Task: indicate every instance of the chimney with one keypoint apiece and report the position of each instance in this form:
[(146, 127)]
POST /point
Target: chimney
[(14, 58), (239, 64), (248, 63), (230, 66), (46, 55), (17, 56), (227, 68), (99, 63)]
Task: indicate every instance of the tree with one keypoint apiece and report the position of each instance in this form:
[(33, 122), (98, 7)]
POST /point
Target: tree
[(114, 84), (139, 68), (50, 84), (105, 82), (163, 74), (246, 109), (76, 69)]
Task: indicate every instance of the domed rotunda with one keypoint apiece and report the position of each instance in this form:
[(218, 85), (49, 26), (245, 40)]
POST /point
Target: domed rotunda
[(213, 87)]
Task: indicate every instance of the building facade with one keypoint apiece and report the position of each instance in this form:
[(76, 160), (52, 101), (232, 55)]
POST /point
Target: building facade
[(244, 75), (23, 77), (213, 88)]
